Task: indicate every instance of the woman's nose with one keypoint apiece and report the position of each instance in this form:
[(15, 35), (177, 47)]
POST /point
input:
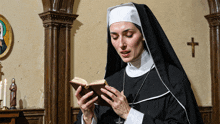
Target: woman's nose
[(122, 42)]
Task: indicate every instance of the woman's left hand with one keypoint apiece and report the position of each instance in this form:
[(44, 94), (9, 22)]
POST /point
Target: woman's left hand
[(119, 101)]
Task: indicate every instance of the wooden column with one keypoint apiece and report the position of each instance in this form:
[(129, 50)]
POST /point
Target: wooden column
[(214, 23), (57, 21)]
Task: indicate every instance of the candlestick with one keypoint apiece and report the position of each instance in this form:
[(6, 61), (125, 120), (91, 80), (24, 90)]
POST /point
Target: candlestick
[(1, 90), (4, 101), (5, 108), (0, 104)]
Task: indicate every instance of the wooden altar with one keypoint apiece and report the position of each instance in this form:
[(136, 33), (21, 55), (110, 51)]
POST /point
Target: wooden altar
[(22, 116)]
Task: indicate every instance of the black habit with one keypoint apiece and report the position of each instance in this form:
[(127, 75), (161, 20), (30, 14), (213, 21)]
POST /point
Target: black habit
[(3, 47), (166, 97)]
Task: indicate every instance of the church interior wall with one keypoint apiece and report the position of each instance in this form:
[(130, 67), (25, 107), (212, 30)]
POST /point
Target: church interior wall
[(181, 20), (25, 63)]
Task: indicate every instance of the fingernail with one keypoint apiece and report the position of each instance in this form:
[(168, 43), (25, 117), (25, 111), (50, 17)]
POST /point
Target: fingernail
[(91, 92)]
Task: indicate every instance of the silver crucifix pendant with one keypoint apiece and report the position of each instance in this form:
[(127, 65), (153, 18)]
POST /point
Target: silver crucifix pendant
[(119, 121)]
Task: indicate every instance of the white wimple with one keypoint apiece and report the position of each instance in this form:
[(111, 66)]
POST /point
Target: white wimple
[(141, 66)]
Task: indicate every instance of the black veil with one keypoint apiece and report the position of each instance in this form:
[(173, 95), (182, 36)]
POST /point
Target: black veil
[(163, 55)]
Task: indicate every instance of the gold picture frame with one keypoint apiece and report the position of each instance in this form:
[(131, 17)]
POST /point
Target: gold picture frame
[(6, 37)]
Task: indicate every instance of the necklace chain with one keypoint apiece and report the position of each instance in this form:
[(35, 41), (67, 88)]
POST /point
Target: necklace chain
[(119, 119), (139, 88)]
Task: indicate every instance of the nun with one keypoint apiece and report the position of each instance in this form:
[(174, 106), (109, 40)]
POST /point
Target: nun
[(3, 46), (147, 84)]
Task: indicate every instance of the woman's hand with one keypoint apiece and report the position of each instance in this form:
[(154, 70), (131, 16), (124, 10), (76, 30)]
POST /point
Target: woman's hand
[(119, 104), (87, 107)]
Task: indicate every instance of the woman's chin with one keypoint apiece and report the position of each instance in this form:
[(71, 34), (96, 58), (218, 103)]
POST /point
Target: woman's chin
[(126, 60)]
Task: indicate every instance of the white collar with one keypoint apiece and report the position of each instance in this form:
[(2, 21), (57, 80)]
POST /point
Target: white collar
[(145, 62)]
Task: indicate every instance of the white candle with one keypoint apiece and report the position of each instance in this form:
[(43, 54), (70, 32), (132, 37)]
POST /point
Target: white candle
[(1, 90), (4, 101)]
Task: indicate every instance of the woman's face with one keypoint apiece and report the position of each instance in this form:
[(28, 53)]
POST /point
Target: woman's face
[(127, 40)]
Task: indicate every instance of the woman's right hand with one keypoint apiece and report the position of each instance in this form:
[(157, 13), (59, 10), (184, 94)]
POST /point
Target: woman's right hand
[(87, 106)]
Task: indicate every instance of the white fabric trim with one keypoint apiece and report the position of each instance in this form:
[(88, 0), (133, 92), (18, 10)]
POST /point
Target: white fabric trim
[(142, 66), (94, 120), (155, 97), (124, 12), (134, 117), (174, 96)]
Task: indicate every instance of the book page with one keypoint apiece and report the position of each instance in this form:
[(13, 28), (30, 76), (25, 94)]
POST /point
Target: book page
[(102, 81), (79, 81)]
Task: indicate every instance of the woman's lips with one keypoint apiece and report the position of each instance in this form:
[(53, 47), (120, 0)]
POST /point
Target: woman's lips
[(125, 53)]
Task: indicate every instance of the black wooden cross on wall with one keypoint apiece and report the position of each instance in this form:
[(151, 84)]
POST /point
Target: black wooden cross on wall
[(193, 44)]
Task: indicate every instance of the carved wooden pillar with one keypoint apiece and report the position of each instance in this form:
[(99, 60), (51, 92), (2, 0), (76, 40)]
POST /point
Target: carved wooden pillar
[(57, 20), (214, 24)]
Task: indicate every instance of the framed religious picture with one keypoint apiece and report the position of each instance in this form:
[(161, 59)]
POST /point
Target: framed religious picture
[(5, 37)]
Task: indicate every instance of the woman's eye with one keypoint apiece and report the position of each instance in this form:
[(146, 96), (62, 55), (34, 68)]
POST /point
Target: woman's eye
[(130, 35), (114, 37)]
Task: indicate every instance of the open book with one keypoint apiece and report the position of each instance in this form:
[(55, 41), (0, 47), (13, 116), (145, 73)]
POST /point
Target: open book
[(94, 86)]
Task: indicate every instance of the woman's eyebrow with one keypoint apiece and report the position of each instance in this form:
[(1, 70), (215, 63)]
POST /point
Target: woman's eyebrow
[(113, 33), (122, 32), (127, 30)]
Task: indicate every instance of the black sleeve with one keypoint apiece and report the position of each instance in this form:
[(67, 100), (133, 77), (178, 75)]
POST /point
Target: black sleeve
[(173, 113)]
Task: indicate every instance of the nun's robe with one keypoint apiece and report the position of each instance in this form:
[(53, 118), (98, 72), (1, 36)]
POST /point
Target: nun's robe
[(154, 100)]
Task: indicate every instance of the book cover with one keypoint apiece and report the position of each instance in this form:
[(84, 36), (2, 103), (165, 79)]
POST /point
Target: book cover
[(94, 86)]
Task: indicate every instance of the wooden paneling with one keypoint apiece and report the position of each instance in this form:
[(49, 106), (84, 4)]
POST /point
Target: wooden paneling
[(22, 116), (74, 113), (206, 113)]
